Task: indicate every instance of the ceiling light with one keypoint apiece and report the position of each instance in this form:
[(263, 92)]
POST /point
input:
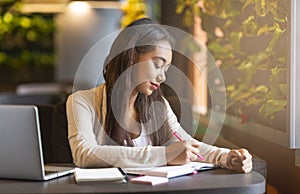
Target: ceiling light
[(79, 7)]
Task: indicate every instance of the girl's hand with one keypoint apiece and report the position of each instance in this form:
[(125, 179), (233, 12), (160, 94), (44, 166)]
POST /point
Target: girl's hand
[(239, 160), (182, 152)]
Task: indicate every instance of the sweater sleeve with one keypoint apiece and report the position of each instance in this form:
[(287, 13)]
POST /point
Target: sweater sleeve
[(211, 154), (86, 133)]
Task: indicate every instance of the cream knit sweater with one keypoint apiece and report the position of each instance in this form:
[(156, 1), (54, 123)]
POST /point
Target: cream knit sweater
[(86, 110)]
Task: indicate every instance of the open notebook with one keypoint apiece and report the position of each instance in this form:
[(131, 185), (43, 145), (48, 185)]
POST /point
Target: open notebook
[(171, 171), (21, 146)]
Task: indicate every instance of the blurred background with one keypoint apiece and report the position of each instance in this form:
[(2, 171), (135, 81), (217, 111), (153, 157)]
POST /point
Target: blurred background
[(43, 42)]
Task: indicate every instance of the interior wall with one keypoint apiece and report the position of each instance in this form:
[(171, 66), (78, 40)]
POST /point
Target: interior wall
[(76, 34), (281, 170)]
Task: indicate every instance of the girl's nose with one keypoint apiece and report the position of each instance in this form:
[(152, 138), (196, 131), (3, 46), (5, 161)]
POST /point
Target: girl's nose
[(161, 77)]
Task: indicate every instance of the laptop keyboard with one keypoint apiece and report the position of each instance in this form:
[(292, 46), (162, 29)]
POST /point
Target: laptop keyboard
[(57, 169), (50, 172)]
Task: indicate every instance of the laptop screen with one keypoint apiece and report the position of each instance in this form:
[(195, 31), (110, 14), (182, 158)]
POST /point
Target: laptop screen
[(20, 142)]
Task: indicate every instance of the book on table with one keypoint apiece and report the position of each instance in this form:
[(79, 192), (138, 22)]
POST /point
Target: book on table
[(171, 171), (98, 174)]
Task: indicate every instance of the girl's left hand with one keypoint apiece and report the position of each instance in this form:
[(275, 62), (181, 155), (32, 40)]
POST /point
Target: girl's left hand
[(239, 160)]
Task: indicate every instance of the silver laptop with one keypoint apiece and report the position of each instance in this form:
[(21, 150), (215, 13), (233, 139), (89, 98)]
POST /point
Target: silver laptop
[(21, 155)]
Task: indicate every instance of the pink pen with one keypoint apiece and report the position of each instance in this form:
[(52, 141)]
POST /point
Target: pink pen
[(180, 139)]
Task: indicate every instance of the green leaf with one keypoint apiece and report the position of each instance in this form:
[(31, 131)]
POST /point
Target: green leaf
[(249, 26), (261, 88), (271, 107), (179, 6), (25, 22), (8, 18)]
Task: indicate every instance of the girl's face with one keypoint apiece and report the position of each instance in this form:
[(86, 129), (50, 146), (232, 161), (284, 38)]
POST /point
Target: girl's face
[(150, 71)]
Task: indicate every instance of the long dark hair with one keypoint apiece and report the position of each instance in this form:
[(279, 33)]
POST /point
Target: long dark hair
[(138, 38)]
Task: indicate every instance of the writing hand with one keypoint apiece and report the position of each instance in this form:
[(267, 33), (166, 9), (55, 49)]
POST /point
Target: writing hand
[(182, 152)]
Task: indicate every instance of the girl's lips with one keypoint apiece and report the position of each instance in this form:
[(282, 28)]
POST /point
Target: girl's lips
[(155, 85)]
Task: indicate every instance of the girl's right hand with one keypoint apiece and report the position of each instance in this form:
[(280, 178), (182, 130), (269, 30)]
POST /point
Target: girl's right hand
[(182, 152)]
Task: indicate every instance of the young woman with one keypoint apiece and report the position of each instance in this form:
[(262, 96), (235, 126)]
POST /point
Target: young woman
[(126, 121)]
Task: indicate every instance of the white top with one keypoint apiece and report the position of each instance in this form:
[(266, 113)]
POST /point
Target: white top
[(86, 110), (142, 140)]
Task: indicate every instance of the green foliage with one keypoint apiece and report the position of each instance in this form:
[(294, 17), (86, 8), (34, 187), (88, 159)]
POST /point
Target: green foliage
[(252, 46), (26, 49)]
